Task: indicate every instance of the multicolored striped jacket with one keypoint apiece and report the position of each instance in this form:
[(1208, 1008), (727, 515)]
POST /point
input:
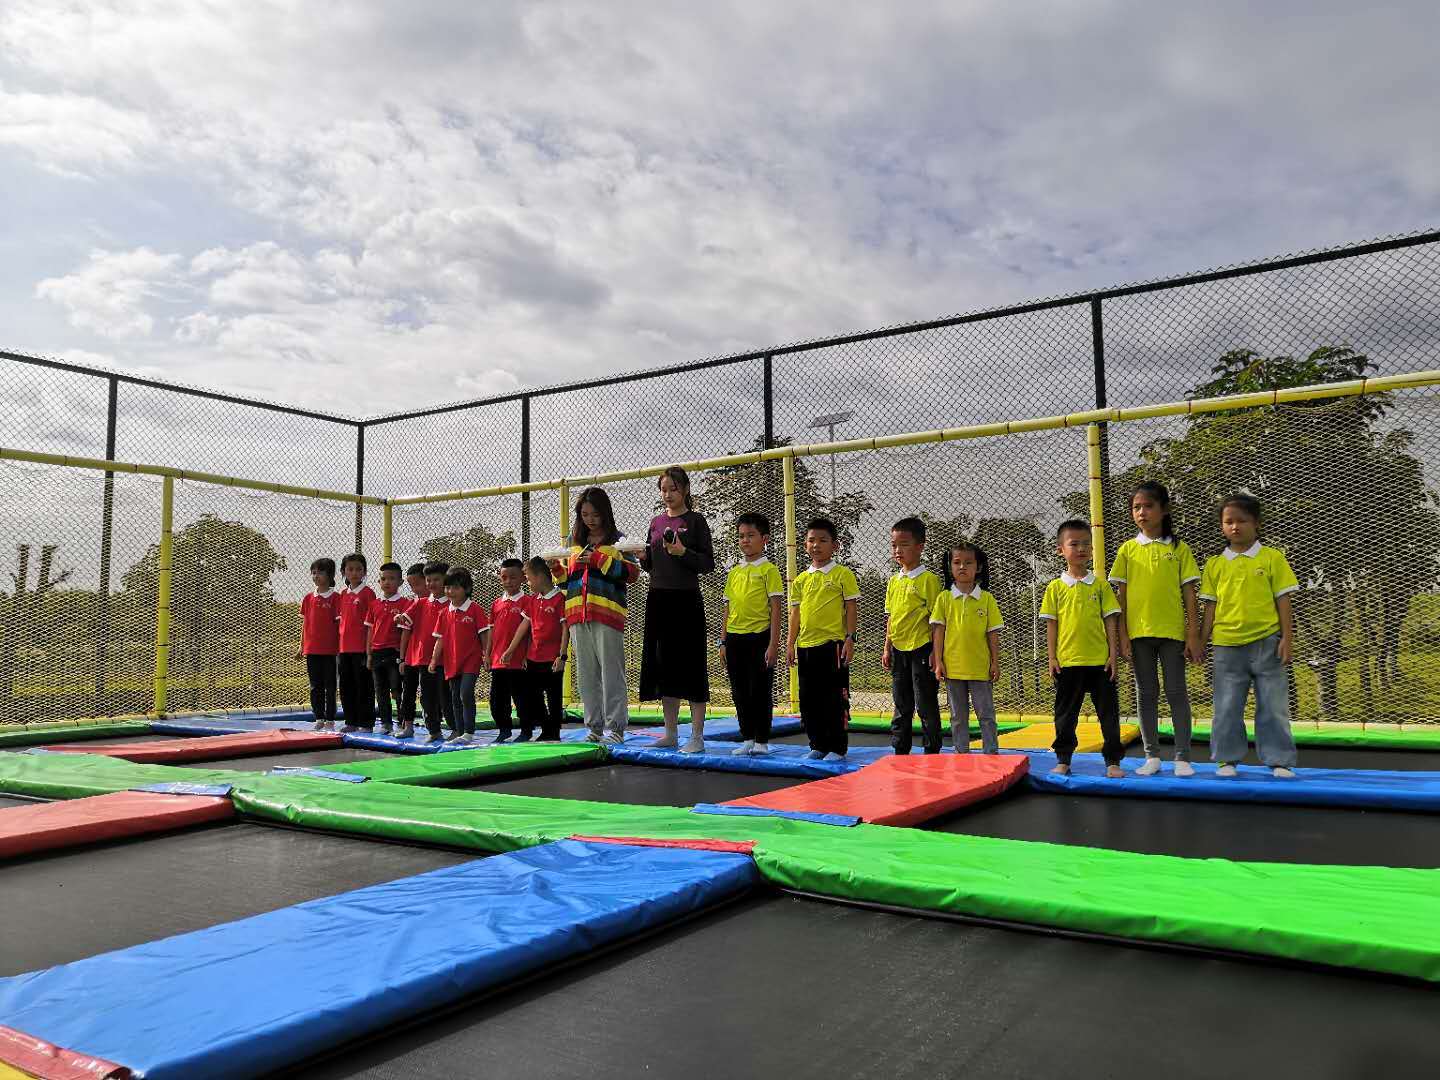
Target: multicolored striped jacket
[(595, 585)]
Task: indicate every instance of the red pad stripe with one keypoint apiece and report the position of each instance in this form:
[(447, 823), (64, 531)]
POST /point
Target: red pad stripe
[(50, 1062), (901, 790), (208, 747), (44, 826), (738, 847)]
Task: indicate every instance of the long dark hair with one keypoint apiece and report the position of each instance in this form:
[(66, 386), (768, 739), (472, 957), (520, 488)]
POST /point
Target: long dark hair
[(681, 479), (982, 564), (580, 532), (1161, 494)]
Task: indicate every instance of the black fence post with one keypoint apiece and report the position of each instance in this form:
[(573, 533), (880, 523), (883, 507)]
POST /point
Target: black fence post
[(769, 401), (359, 484), (525, 475), (107, 529)]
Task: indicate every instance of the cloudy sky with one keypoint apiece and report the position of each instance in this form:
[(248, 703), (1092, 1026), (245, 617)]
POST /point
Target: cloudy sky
[(365, 207)]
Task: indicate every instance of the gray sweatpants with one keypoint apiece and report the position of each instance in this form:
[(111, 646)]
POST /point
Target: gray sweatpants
[(600, 671), (963, 693), (1168, 655)]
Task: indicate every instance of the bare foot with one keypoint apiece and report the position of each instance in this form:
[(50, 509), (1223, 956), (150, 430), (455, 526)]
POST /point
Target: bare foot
[(1061, 769), (1114, 772)]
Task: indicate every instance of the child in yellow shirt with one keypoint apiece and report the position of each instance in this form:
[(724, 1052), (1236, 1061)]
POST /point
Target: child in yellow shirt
[(824, 614), (907, 654)]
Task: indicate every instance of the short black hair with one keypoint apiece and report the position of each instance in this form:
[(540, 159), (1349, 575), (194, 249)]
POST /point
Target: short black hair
[(436, 567), (538, 566), (1244, 502), (324, 566), (1072, 523), (390, 566), (912, 525), (460, 576), (759, 522), (511, 564), (354, 556), (823, 524), (416, 570)]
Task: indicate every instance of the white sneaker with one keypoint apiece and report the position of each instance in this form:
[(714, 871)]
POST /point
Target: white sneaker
[(1150, 768), (694, 746), (1283, 773), (614, 738), (1183, 768), (1226, 770), (745, 749), (814, 755), (761, 749), (319, 725), (833, 756)]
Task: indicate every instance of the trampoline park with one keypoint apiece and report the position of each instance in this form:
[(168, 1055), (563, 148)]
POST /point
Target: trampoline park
[(226, 892)]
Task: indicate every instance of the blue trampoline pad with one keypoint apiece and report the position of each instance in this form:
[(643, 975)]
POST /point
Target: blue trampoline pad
[(1370, 789), (245, 998)]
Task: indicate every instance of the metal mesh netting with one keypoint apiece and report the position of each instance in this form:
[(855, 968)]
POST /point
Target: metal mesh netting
[(54, 412), (466, 450)]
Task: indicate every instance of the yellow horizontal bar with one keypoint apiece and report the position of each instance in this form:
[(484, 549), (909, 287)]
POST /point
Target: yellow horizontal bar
[(101, 465)]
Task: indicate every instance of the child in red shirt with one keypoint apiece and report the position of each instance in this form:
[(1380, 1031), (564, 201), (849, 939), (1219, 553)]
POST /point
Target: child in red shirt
[(382, 643), (417, 643), (357, 692), (320, 641), (510, 622), (545, 657), (459, 645)]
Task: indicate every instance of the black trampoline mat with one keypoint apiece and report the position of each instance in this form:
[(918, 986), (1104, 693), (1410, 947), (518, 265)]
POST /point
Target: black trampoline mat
[(68, 905), (640, 785), (790, 987), (304, 759)]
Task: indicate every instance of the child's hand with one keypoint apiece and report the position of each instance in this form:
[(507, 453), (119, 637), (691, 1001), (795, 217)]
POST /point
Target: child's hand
[(431, 667), (1110, 665), (790, 660), (404, 621), (1284, 650), (558, 664), (847, 650), (885, 657), (1125, 648), (1194, 650), (370, 661), (770, 656), (994, 671), (722, 652), (403, 666), (300, 655), (1054, 667)]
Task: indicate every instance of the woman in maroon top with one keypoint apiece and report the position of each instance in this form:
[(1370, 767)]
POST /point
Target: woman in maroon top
[(673, 664)]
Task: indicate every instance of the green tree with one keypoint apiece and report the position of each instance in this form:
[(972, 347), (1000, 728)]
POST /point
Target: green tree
[(478, 550)]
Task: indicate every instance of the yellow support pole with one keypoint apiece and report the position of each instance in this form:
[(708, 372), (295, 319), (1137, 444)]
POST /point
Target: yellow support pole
[(1097, 499), (162, 595), (387, 533), (567, 685), (792, 540)]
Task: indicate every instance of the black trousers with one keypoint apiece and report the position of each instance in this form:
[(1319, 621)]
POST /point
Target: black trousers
[(409, 690), (507, 687), (913, 686), (824, 691), (1071, 686), (356, 690), (435, 700), (544, 699), (752, 683), (385, 671), (321, 671)]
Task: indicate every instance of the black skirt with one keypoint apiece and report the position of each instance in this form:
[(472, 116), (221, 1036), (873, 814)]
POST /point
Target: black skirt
[(672, 663)]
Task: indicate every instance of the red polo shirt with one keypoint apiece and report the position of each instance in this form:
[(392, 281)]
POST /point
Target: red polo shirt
[(319, 628), (506, 615), (354, 610), (459, 632), (424, 612), (547, 618), (384, 634)]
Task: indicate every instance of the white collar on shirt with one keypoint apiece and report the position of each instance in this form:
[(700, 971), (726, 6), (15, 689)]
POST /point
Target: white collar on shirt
[(391, 599), (512, 597), (465, 606), (757, 561), (554, 589), (1250, 552), (821, 569), (1144, 540), (973, 594), (442, 599), (326, 594), (915, 572), (348, 589), (1069, 579)]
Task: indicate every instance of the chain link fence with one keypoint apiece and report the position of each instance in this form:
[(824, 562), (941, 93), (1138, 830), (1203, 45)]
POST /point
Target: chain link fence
[(1365, 621)]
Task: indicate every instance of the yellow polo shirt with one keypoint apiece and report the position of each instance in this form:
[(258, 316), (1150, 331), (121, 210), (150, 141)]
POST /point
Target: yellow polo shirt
[(748, 589), (820, 594), (1243, 586), (1079, 607), (909, 598), (969, 619), (1154, 572)]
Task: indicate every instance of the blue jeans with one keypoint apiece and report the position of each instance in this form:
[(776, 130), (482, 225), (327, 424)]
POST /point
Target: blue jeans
[(462, 704), (1236, 668)]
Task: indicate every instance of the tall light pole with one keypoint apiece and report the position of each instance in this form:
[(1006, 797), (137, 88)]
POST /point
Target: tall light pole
[(829, 421)]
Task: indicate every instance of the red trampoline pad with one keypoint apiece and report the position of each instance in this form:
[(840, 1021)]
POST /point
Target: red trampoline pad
[(27, 829), (901, 790), (209, 747)]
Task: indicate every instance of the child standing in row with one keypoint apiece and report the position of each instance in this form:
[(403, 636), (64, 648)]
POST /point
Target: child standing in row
[(382, 643), (545, 656), (750, 641), (1250, 621), (597, 573), (909, 599), (1154, 577), (411, 664), (509, 636), (460, 649), (1082, 637), (356, 688), (965, 622), (320, 641), (824, 613)]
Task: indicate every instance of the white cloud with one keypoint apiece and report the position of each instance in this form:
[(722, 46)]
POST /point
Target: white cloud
[(110, 294)]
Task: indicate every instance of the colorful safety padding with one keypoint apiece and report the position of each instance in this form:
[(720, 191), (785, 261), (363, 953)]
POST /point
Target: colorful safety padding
[(901, 790), (45, 734), (73, 776), (1272, 909), (209, 748), (783, 760), (1372, 789), (475, 763), (25, 830), (1410, 737), (880, 725), (1087, 735), (246, 998)]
